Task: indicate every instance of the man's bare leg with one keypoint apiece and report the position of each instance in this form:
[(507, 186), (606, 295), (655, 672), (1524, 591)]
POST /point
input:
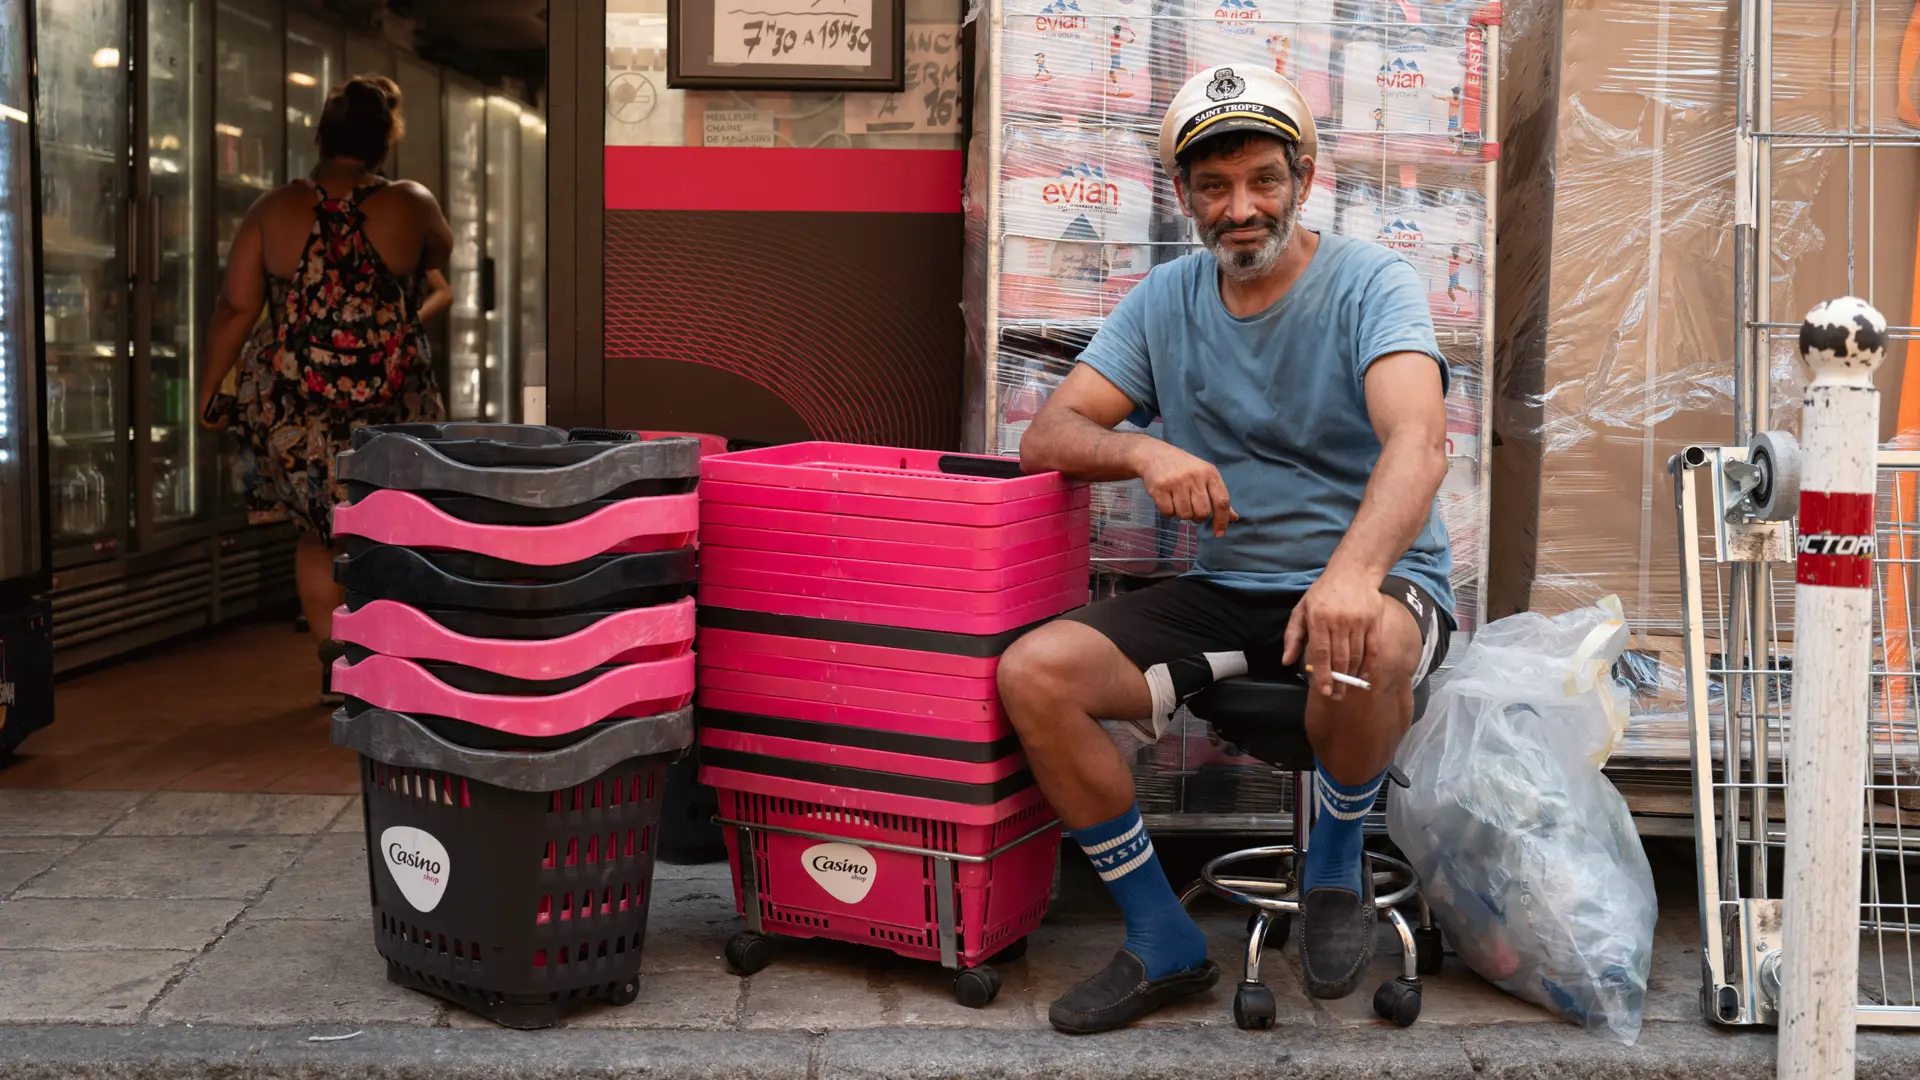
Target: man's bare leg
[(1053, 682), (1354, 739)]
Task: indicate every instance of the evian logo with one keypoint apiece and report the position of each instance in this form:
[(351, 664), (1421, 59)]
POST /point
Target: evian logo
[(1081, 185), (1060, 16), (1401, 75), (1401, 235), (846, 871), (1232, 14), (418, 863)]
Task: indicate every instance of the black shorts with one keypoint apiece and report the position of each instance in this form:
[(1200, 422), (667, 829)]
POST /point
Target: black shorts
[(1185, 616)]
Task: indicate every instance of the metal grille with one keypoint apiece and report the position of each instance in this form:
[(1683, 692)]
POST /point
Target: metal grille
[(1738, 590)]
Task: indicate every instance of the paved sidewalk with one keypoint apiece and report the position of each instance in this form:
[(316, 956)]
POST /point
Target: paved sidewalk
[(178, 934)]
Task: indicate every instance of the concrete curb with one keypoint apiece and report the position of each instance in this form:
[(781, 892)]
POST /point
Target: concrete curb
[(1507, 1052)]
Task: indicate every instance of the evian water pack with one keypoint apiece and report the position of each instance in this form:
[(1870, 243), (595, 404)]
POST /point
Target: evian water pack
[(1049, 49), (1077, 214), (1291, 37)]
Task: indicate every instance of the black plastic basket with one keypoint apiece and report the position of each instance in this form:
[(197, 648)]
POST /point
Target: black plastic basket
[(528, 876)]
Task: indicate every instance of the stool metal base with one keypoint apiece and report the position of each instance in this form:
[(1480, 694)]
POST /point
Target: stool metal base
[(1276, 902)]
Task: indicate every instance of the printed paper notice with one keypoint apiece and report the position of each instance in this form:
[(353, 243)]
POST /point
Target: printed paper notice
[(931, 103), (794, 33), (737, 127)]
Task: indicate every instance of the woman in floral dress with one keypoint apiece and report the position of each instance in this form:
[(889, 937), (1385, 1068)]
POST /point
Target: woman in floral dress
[(346, 267)]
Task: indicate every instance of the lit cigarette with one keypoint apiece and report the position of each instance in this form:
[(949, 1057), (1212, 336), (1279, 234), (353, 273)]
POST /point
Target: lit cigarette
[(1347, 680)]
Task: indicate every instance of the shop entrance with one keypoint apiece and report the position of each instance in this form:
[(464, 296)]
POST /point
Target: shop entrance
[(181, 659)]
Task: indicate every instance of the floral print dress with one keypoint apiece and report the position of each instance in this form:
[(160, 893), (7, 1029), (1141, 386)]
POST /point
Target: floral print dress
[(295, 416)]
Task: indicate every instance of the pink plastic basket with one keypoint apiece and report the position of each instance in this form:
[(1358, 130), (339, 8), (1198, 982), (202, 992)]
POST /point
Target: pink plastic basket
[(994, 903), (779, 560), (860, 697), (893, 508), (911, 661), (920, 618), (625, 637), (982, 730), (389, 682), (882, 470), (928, 768), (768, 659), (659, 523), (985, 547), (931, 556), (957, 601)]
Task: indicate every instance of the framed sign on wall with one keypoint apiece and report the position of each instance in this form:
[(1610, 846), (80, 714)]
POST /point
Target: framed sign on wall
[(821, 45)]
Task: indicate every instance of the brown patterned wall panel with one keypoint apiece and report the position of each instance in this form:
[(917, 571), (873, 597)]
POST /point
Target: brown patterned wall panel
[(842, 326)]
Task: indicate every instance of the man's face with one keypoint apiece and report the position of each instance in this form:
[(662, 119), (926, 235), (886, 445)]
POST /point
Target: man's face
[(1246, 206)]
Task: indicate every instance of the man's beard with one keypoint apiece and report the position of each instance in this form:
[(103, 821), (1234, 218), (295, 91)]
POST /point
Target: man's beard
[(1239, 264)]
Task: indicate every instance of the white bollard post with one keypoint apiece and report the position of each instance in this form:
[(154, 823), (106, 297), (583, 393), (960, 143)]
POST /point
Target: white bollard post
[(1842, 342)]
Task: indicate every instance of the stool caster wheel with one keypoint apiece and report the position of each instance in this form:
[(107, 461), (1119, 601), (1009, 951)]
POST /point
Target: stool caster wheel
[(1253, 1008), (976, 988), (1012, 952), (749, 952), (1429, 949), (1398, 1001), (626, 993), (1279, 929)]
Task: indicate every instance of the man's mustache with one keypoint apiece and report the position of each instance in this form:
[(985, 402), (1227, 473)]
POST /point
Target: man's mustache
[(1260, 221)]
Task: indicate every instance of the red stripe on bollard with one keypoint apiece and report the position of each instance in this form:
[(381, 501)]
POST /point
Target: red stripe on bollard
[(1835, 547)]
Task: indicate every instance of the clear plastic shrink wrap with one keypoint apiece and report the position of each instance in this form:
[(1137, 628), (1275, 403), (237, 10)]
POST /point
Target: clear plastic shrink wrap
[(1067, 207), (1616, 316)]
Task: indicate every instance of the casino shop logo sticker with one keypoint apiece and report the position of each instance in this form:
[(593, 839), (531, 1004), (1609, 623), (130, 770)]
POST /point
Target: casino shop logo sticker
[(844, 870), (418, 864)]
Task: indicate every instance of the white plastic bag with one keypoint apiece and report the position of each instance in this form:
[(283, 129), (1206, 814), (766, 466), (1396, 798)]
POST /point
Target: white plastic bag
[(1526, 853)]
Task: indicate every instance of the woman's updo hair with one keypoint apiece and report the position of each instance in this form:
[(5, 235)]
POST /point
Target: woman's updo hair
[(362, 120)]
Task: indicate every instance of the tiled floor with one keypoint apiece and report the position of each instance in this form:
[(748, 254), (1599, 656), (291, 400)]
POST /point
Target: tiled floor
[(236, 712)]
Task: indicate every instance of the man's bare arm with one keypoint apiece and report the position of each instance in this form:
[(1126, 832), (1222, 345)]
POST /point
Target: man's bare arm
[(1074, 435), (1406, 401)]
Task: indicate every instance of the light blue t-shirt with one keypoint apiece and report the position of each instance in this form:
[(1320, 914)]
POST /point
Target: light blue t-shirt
[(1276, 403)]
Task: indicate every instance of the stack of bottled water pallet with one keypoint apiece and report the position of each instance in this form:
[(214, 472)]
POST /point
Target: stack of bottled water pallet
[(1067, 208)]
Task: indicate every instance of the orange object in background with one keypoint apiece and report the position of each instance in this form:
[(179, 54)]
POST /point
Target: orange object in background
[(1896, 629)]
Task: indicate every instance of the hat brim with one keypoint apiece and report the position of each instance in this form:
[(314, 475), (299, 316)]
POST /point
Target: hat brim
[(1256, 119)]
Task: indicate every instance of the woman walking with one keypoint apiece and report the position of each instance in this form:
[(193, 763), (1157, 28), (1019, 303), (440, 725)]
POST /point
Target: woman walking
[(347, 265)]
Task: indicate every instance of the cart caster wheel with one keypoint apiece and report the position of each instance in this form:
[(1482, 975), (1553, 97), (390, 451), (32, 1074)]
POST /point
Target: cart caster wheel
[(749, 952), (1012, 952), (1429, 950), (1253, 1008), (976, 988), (1278, 930), (626, 993), (1398, 1001)]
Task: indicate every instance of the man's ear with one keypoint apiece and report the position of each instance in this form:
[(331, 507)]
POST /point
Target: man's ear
[(1305, 182), (1180, 195)]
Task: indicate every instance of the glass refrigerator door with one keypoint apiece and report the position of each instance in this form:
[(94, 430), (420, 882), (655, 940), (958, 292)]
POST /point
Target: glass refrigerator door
[(503, 250), (21, 555), (84, 225), (466, 188), (168, 474), (249, 129), (313, 68)]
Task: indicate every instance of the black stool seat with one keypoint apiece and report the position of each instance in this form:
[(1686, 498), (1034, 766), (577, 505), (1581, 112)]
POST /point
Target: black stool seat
[(1266, 717)]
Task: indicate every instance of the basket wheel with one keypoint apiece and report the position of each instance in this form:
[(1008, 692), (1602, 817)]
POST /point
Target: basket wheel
[(1014, 951), (976, 987), (1398, 1001), (626, 993), (749, 952)]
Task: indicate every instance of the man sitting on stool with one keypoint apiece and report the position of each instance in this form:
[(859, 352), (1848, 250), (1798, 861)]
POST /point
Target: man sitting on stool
[(1300, 373)]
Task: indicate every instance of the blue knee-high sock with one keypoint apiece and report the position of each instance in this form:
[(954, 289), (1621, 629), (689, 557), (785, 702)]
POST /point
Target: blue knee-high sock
[(1335, 845), (1159, 930)]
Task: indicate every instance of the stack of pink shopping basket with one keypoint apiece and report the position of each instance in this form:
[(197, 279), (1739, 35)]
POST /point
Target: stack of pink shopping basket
[(854, 602), (518, 672)]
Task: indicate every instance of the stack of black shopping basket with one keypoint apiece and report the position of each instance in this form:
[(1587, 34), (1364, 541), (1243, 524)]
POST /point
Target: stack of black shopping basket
[(519, 628)]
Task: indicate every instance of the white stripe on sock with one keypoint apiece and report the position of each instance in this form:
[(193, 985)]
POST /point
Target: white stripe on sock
[(1129, 866), (1343, 805), (1109, 845)]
